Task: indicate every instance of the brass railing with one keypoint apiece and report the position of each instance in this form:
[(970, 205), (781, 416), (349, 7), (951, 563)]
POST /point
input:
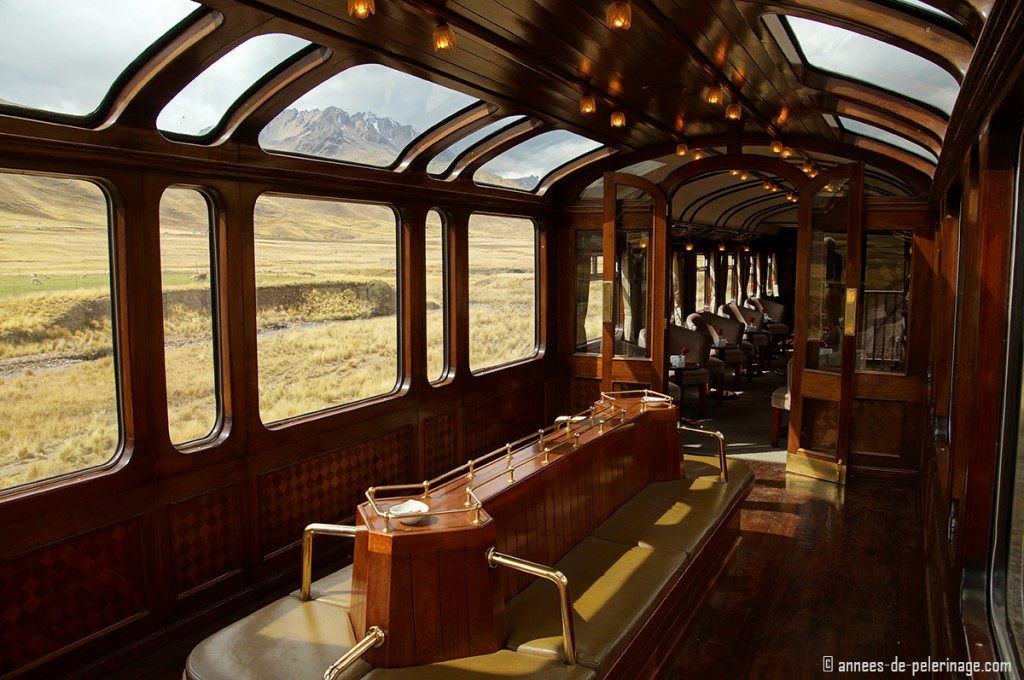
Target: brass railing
[(307, 550), (723, 475), (564, 433), (495, 559), (374, 638)]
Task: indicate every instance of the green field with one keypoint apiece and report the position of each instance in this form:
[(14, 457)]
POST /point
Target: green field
[(326, 315)]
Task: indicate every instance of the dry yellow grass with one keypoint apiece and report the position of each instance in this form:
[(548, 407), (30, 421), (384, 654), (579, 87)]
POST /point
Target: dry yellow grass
[(327, 320)]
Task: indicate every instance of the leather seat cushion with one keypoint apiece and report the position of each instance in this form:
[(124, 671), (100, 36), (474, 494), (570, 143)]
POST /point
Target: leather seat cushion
[(759, 339), (747, 348), (501, 664), (335, 588), (776, 328), (286, 639), (676, 515), (715, 366), (734, 356), (613, 586)]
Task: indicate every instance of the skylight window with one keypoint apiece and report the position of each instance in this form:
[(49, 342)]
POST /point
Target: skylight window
[(523, 166), (366, 114), (874, 62), (199, 107), (917, 4), (878, 134), (63, 56), (442, 162)]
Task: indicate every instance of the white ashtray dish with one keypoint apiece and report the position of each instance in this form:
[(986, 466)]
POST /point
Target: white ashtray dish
[(410, 511), (650, 398)]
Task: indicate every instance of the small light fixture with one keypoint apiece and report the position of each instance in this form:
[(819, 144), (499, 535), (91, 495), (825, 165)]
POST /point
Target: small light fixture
[(733, 111), (776, 146), (807, 168), (734, 173), (689, 245), (714, 94), (721, 246), (774, 188), (813, 173), (697, 154), (682, 149), (587, 104), (361, 8), (782, 117), (766, 185), (744, 176), (618, 119), (787, 152), (746, 248), (829, 188), (620, 15), (791, 197), (444, 37)]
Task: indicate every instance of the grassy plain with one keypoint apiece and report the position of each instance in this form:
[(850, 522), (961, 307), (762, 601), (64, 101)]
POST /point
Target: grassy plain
[(326, 315)]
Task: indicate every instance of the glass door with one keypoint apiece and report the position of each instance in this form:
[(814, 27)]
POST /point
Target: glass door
[(829, 252)]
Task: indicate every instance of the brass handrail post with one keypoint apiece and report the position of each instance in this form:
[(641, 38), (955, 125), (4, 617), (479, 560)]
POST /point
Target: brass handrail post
[(307, 549), (495, 558), (723, 475), (374, 638)]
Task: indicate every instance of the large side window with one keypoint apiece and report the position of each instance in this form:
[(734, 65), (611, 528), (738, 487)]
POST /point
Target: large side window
[(58, 383), (186, 254), (437, 299), (326, 303), (502, 290)]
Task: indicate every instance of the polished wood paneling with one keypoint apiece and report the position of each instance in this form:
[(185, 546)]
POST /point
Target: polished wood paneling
[(492, 423), (440, 445), (70, 590), (206, 538)]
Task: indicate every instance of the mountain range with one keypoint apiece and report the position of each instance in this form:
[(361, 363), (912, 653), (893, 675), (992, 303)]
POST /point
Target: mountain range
[(362, 137)]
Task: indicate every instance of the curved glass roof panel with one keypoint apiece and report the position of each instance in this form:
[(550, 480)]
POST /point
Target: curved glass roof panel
[(63, 56), (874, 62), (441, 163), (878, 134), (202, 104), (366, 114), (523, 166), (917, 4)]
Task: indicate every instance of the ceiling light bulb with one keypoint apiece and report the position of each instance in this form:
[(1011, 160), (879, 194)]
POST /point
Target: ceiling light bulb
[(744, 176), (787, 152), (734, 173), (714, 95), (689, 245), (697, 154), (746, 248), (733, 111), (829, 188), (766, 185), (721, 247), (361, 8), (620, 15), (444, 37), (682, 149), (807, 167), (776, 146), (587, 104), (791, 197), (618, 119)]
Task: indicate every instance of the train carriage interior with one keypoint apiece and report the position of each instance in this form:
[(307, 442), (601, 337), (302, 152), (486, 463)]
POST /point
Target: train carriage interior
[(511, 338)]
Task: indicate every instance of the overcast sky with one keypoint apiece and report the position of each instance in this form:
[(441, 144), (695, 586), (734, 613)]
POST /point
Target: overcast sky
[(63, 56)]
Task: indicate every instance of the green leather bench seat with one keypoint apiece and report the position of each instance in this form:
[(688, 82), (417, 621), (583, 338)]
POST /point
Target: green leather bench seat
[(501, 664), (613, 587), (286, 639), (335, 588), (677, 515)]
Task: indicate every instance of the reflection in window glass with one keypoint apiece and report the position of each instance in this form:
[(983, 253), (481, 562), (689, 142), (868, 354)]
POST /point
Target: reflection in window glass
[(884, 302), (874, 62), (58, 396), (199, 107), (523, 166), (589, 300), (326, 303), (502, 290), (442, 162), (437, 301), (886, 137), (189, 314), (917, 4), (826, 289), (366, 114), (63, 56), (631, 280)]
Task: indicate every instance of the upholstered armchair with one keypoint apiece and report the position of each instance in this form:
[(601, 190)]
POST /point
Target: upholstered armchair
[(698, 361), (773, 313), (726, 338), (752, 321)]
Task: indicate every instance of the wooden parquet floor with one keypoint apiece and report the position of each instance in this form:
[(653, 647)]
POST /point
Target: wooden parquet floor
[(819, 571)]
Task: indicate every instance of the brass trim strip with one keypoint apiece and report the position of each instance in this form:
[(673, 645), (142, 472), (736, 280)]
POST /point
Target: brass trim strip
[(495, 558), (374, 638)]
